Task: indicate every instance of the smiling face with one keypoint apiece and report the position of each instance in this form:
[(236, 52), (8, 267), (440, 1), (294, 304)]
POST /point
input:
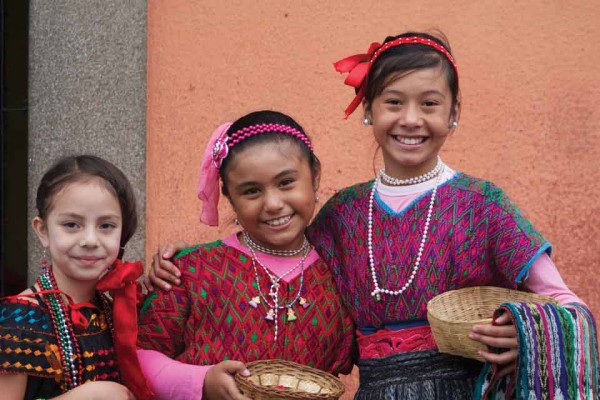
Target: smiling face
[(82, 232), (411, 119), (272, 191)]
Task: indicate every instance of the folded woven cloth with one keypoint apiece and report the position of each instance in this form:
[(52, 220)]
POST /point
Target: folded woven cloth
[(558, 355)]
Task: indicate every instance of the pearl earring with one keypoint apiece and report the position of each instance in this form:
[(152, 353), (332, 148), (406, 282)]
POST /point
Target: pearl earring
[(366, 122)]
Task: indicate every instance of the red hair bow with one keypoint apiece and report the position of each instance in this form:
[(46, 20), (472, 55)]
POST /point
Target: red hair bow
[(125, 291), (358, 67)]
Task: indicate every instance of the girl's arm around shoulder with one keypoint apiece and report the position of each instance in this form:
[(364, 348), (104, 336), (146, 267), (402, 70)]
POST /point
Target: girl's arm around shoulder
[(167, 263)]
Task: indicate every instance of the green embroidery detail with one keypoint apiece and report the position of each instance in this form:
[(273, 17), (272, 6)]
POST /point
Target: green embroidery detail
[(205, 246), (148, 300)]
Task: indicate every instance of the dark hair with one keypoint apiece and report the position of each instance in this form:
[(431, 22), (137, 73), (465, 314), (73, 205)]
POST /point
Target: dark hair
[(85, 167), (408, 57), (267, 117)]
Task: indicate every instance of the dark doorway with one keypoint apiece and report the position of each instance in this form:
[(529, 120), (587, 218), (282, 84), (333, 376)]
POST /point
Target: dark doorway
[(14, 26)]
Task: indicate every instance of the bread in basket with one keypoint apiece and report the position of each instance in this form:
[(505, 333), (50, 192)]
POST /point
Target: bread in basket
[(452, 315), (282, 380)]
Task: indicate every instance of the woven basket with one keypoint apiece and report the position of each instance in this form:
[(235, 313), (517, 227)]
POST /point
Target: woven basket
[(281, 380), (452, 315)]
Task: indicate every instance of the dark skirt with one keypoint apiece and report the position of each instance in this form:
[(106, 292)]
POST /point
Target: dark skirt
[(418, 375)]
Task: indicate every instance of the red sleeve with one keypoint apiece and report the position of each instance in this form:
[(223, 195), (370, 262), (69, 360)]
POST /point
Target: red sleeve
[(163, 319)]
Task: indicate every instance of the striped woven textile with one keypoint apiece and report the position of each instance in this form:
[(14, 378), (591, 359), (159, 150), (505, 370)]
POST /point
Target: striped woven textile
[(558, 355)]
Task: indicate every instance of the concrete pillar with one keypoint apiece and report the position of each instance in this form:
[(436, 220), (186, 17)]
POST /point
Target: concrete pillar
[(87, 94)]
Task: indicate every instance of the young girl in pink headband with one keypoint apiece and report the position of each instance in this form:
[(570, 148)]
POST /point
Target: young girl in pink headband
[(261, 293), (421, 228)]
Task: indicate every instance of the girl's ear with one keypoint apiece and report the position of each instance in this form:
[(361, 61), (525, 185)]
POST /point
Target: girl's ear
[(367, 113), (41, 230), (317, 179), (456, 111)]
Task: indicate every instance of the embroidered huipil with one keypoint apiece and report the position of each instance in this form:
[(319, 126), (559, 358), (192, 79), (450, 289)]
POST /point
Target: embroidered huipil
[(477, 236), (28, 346), (208, 318)]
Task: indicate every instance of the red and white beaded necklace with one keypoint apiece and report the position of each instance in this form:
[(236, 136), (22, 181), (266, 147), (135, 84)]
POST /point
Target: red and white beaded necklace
[(70, 351)]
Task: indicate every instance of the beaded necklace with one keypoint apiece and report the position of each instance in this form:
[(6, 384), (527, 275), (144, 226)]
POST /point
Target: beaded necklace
[(70, 352), (280, 253), (273, 303), (390, 180), (376, 293)]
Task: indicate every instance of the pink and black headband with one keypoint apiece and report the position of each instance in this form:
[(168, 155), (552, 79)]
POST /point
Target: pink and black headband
[(359, 65), (217, 150)]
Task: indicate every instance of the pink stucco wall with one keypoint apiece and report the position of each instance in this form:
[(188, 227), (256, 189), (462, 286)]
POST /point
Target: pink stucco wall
[(530, 88)]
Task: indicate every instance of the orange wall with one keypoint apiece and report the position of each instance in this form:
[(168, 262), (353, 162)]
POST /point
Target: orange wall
[(530, 86)]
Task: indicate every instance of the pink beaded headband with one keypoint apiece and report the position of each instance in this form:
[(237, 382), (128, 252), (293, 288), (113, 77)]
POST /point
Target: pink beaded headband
[(217, 150), (359, 65), (224, 143)]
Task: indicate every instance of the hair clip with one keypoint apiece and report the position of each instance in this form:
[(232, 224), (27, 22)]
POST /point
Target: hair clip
[(220, 150)]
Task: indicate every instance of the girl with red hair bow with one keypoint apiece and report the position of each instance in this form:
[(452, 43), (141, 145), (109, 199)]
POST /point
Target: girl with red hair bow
[(421, 228)]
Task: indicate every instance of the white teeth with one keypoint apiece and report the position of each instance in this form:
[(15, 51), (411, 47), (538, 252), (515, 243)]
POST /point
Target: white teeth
[(279, 221), (410, 141)]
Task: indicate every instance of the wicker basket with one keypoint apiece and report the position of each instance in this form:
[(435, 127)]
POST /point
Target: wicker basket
[(282, 380), (452, 315)]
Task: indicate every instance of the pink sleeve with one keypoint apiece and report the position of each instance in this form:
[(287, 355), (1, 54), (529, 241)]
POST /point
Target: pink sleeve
[(171, 379), (544, 278)]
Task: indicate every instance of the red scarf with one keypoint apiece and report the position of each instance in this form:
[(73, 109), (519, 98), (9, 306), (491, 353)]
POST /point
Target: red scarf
[(121, 283)]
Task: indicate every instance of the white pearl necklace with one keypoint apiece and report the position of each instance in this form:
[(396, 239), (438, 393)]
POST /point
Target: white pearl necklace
[(376, 293), (279, 253), (390, 180)]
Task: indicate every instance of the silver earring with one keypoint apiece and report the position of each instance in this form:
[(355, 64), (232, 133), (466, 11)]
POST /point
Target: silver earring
[(366, 122), (235, 221), (453, 125)]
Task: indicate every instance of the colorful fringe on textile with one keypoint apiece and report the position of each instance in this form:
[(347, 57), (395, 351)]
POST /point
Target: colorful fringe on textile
[(558, 355)]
